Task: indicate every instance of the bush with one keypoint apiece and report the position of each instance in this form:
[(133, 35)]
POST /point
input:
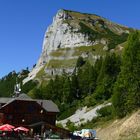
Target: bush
[(28, 86), (89, 101), (59, 125), (70, 125), (106, 111), (88, 31), (68, 112)]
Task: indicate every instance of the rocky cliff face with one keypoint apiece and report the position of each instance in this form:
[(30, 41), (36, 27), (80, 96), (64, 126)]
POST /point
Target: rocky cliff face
[(71, 30), (61, 35)]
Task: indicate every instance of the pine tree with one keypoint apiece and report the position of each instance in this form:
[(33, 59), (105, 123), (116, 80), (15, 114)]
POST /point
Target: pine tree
[(126, 96), (107, 76), (67, 96), (80, 62), (86, 79), (75, 87)]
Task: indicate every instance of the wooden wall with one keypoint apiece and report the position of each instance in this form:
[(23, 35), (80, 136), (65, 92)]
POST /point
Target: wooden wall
[(21, 112)]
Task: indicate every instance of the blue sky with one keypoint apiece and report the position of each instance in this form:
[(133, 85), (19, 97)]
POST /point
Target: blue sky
[(24, 22)]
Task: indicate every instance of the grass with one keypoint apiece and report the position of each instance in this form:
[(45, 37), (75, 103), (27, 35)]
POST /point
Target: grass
[(81, 15), (57, 53), (118, 50), (42, 75), (64, 49), (98, 123), (41, 72), (62, 63), (70, 63), (96, 27), (130, 138), (82, 49), (60, 52), (95, 50)]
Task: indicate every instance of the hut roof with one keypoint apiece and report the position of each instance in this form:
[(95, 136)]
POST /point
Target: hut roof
[(47, 105)]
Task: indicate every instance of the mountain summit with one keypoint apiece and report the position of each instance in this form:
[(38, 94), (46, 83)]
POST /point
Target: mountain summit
[(73, 34)]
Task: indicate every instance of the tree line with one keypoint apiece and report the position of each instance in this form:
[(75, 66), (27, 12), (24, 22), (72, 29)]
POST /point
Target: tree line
[(87, 85)]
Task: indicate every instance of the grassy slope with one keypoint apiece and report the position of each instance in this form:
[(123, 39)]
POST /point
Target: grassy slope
[(127, 128), (69, 63), (97, 27)]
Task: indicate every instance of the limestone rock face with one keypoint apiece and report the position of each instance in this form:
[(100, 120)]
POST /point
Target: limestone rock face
[(61, 35)]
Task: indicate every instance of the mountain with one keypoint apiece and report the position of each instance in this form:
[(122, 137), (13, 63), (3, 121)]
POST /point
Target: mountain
[(73, 34)]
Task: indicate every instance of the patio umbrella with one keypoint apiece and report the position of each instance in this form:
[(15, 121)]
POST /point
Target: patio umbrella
[(7, 127), (21, 128)]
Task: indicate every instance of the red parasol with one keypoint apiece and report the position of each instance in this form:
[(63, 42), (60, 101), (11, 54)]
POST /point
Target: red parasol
[(7, 127), (21, 128)]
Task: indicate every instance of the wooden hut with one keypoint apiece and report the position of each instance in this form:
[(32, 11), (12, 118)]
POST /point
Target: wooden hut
[(24, 111)]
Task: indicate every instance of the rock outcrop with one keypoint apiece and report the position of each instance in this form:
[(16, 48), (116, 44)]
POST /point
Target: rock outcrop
[(61, 35), (73, 29)]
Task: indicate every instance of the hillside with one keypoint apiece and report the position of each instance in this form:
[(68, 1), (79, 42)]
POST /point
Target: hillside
[(127, 128), (73, 34), (83, 115)]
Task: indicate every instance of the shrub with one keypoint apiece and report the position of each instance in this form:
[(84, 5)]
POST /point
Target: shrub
[(70, 125), (60, 125), (105, 111), (68, 112), (89, 101)]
